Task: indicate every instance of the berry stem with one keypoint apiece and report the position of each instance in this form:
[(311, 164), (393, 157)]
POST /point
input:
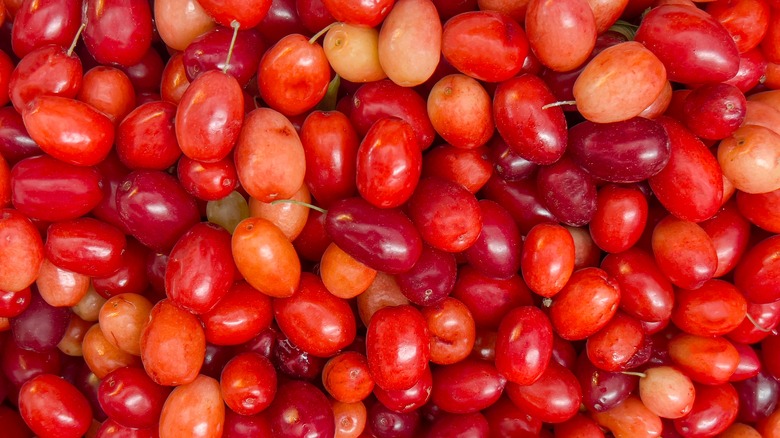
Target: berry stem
[(76, 39), (753, 321), (634, 373), (296, 202), (324, 30), (625, 28), (328, 102), (560, 103), (235, 25)]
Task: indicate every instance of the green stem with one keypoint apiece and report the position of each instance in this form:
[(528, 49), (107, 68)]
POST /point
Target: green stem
[(296, 202), (235, 25), (625, 28), (328, 103), (324, 30)]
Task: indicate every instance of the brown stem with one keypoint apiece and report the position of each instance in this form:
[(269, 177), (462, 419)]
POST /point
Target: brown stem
[(753, 321), (76, 39)]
